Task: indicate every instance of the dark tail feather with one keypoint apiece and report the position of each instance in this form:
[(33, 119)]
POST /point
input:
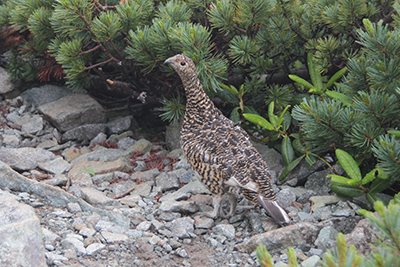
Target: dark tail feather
[(275, 211)]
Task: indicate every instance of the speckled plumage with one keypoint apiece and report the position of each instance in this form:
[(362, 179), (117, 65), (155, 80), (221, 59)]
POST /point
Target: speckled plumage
[(221, 151)]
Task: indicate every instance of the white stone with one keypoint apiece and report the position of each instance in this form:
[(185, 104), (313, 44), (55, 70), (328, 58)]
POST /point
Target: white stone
[(94, 248)]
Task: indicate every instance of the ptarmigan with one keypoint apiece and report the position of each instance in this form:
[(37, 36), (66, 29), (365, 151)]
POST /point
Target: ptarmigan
[(221, 151)]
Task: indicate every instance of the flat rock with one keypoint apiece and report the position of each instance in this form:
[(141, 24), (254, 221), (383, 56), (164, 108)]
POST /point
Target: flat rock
[(322, 201), (72, 111), (26, 158), (95, 197), (94, 248), (6, 85), (112, 237), (280, 239), (20, 234), (181, 227), (226, 230), (99, 167), (101, 155), (184, 206), (58, 165), (120, 125), (84, 132), (56, 196), (75, 244), (167, 181), (33, 125), (44, 94), (194, 187), (362, 236), (143, 189)]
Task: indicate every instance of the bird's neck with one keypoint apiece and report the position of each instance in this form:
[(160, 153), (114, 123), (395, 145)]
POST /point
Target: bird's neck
[(196, 97)]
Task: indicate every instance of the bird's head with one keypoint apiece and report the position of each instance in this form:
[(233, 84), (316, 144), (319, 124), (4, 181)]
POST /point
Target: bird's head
[(183, 65)]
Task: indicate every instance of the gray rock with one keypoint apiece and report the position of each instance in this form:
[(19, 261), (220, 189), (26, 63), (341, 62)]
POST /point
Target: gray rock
[(146, 175), (44, 94), (25, 158), (172, 135), (74, 207), (126, 143), (322, 201), (122, 186), (11, 140), (75, 244), (194, 187), (120, 125), (306, 217), (322, 214), (96, 198), (362, 236), (84, 132), (94, 248), (53, 258), (202, 222), (181, 227), (143, 189), (184, 206), (58, 165), (169, 216), (49, 236), (278, 240), (100, 138), (326, 238), (113, 237), (320, 183), (285, 197), (143, 226), (226, 230), (312, 261), (21, 237), (55, 196), (72, 111), (167, 181), (6, 85), (106, 154), (33, 125), (86, 232), (186, 177)]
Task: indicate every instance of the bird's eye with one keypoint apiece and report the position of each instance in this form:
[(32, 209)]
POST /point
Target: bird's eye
[(183, 63)]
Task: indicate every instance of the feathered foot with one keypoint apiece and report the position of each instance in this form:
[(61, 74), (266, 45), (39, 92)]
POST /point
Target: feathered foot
[(232, 209), (275, 211), (218, 212)]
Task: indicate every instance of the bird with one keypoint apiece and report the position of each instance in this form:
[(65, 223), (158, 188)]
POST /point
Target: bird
[(221, 152)]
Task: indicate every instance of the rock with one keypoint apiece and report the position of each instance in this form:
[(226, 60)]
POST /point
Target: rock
[(278, 240), (6, 85), (186, 177), (100, 167), (362, 236), (312, 261), (96, 198), (105, 154), (10, 140), (21, 237), (113, 238), (100, 138), (73, 153), (55, 196), (202, 222), (72, 111), (194, 187), (120, 125), (285, 197), (181, 227), (33, 125), (173, 135), (179, 206), (142, 146), (53, 258), (58, 165), (322, 201), (44, 94), (26, 158), (75, 244), (126, 143), (143, 189), (84, 132), (74, 207), (94, 248), (145, 176), (49, 237), (121, 187), (320, 183), (167, 181), (226, 230), (326, 238)]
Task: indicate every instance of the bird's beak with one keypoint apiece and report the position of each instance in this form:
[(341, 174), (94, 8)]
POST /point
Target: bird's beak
[(168, 61)]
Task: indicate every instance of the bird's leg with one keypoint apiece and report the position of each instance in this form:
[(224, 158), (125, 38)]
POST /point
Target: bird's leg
[(217, 205), (232, 203)]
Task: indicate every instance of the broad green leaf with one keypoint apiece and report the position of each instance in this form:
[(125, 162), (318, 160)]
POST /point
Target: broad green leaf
[(272, 117), (369, 177), (297, 145), (315, 76), (235, 116), (231, 89), (257, 119), (335, 77), (339, 96), (394, 132), (287, 150), (342, 180), (285, 119), (290, 167), (301, 81), (346, 190), (348, 164), (372, 197), (315, 90), (379, 185)]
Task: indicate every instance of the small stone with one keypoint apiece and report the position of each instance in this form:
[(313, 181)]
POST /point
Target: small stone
[(75, 244), (112, 237), (181, 253), (285, 197), (167, 181), (86, 232), (311, 262), (326, 238), (58, 165), (143, 226), (74, 207), (94, 248), (202, 222)]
